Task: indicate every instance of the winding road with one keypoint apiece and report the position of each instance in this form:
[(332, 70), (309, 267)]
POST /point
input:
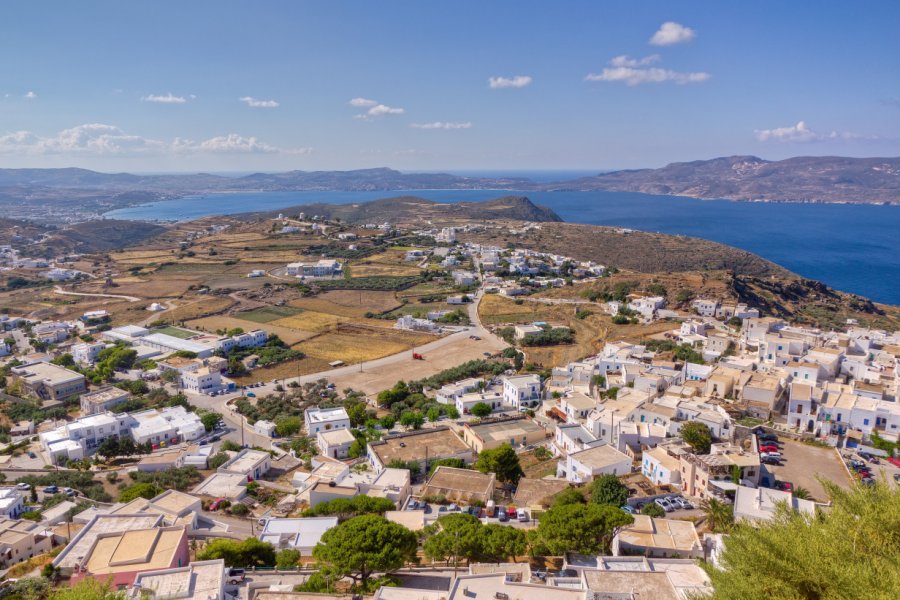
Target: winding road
[(58, 290)]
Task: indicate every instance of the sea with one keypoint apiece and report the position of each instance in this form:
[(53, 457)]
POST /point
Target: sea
[(854, 248)]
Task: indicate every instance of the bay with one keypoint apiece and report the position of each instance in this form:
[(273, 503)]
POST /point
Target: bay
[(855, 248)]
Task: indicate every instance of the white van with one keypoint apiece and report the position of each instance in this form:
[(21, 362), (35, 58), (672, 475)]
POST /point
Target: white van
[(522, 515)]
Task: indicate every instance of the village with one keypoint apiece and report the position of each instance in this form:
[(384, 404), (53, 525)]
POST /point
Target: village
[(522, 425)]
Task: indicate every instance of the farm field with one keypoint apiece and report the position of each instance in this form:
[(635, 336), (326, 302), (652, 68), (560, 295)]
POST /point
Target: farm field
[(310, 321), (291, 368), (349, 303), (268, 314), (197, 309), (360, 344), (288, 335)]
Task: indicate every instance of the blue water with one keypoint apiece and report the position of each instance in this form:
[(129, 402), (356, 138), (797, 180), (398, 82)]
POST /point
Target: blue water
[(855, 248)]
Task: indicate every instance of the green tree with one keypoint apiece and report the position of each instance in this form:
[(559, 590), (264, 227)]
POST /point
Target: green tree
[(140, 490), (453, 536), (607, 489), (481, 410), (652, 509), (503, 462), (218, 459), (346, 508), (719, 515), (801, 493), (209, 420), (387, 421), (500, 542), (433, 414), (697, 436), (451, 412), (365, 545), (583, 528), (250, 552), (288, 426), (288, 558), (412, 419), (851, 551), (569, 496)]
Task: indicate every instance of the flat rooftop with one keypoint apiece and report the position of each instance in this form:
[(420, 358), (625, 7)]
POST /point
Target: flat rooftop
[(245, 461), (503, 431), (534, 492), (641, 584), (433, 443), (104, 395), (669, 534), (100, 525), (222, 485), (47, 372), (600, 456), (174, 502), (134, 550), (322, 415), (197, 581), (450, 481)]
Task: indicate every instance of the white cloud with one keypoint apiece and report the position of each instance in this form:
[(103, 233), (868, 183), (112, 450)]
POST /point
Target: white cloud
[(362, 102), (167, 99), (671, 33), (108, 140), (629, 70), (442, 125), (519, 81), (376, 109), (30, 95), (255, 103), (801, 133), (627, 61)]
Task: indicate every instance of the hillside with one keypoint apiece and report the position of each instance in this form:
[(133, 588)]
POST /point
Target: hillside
[(94, 236), (413, 211), (639, 251), (800, 179)]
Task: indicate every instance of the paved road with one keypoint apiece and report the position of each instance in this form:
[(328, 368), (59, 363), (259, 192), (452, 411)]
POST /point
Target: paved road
[(59, 290)]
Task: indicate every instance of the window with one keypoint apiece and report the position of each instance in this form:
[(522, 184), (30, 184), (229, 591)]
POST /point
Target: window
[(865, 421)]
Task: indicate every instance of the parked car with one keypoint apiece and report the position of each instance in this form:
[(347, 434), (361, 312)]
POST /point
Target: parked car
[(771, 455), (867, 481), (770, 460), (51, 489), (69, 492), (665, 504), (785, 486), (453, 507), (767, 436), (235, 576), (769, 448), (32, 455), (215, 504), (412, 505), (682, 503), (628, 509), (522, 515), (23, 486), (501, 515)]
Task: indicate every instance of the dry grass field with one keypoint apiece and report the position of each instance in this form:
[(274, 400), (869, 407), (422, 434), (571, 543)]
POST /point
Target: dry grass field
[(197, 309), (288, 335), (311, 321), (291, 368), (349, 303), (386, 264), (358, 344)]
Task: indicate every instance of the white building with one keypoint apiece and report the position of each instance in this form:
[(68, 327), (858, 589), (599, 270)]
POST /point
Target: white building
[(522, 391), (102, 400), (411, 323), (322, 268), (168, 343), (264, 428), (11, 503), (202, 381), (464, 278), (705, 308), (298, 534), (325, 419), (335, 443), (87, 353), (450, 392), (585, 465), (250, 339), (660, 467), (165, 427), (759, 504)]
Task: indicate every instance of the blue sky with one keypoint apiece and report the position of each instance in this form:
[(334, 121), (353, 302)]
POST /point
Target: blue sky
[(242, 86)]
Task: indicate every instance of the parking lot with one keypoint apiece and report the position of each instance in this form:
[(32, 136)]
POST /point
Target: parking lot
[(802, 464), (881, 471)]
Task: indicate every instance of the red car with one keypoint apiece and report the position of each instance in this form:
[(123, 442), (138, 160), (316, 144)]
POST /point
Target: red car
[(769, 449), (785, 486), (214, 505)]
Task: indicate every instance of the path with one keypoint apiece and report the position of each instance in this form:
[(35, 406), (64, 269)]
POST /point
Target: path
[(59, 290)]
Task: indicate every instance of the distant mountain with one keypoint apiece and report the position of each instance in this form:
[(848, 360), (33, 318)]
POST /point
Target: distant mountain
[(801, 179), (411, 209), (358, 180)]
